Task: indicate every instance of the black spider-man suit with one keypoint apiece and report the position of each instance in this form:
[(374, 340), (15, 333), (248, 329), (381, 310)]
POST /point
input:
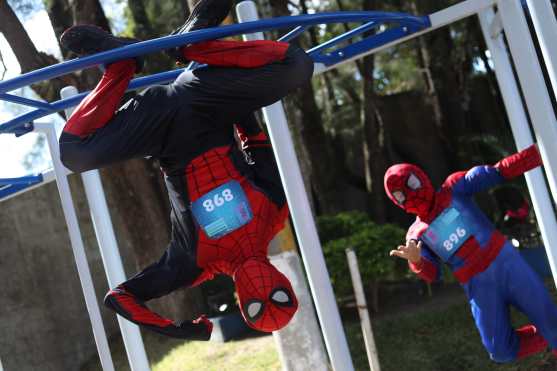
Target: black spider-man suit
[(189, 126)]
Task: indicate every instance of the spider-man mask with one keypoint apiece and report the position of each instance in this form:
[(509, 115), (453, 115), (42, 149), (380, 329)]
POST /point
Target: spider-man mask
[(267, 300), (410, 188)]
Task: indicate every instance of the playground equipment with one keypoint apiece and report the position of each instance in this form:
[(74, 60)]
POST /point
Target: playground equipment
[(388, 29)]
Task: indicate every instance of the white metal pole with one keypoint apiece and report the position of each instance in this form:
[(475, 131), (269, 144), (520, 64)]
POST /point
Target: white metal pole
[(539, 193), (361, 303), (110, 253), (533, 85), (78, 248), (306, 232), (543, 18)]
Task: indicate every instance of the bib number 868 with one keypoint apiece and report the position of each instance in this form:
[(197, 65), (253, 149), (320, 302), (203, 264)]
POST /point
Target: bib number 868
[(454, 238), (218, 200)]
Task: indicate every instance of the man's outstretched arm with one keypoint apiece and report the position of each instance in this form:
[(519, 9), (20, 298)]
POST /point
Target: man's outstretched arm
[(420, 260), (480, 178), (520, 162)]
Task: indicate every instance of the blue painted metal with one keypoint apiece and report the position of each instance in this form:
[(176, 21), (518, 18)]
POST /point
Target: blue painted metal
[(355, 49), (25, 101), (397, 25), (9, 186), (17, 125), (293, 34), (30, 179)]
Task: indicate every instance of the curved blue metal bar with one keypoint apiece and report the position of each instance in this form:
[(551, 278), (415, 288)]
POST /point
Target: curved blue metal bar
[(24, 101), (22, 124), (10, 186), (25, 180), (402, 25), (293, 34)]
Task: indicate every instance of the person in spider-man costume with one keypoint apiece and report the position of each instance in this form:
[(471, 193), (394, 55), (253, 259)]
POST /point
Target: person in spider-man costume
[(226, 199), (451, 229)]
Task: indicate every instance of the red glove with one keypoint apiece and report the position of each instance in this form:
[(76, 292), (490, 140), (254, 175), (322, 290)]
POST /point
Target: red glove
[(205, 321), (519, 163)]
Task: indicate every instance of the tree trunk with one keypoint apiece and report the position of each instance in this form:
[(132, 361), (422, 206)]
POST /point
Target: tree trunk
[(445, 81), (89, 12), (325, 168), (375, 137), (60, 14), (142, 25)]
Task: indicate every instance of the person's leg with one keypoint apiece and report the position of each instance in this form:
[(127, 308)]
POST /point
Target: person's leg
[(250, 75), (97, 108), (491, 314), (175, 269), (530, 296), (98, 133)]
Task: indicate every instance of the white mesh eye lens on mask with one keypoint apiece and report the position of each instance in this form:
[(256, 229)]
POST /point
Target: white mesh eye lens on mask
[(399, 197), (254, 309), (281, 297), (413, 182)]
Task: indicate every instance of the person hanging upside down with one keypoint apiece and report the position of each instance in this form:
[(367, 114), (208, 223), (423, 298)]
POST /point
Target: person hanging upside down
[(451, 229), (227, 203)]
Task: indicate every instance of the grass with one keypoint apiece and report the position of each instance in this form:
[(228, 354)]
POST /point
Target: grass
[(439, 335), (444, 340), (257, 354), (166, 354), (433, 336)]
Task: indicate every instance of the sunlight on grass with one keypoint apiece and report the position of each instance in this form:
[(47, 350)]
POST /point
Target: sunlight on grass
[(249, 354)]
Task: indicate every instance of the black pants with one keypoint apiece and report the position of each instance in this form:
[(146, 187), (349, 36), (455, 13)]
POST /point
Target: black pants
[(173, 122)]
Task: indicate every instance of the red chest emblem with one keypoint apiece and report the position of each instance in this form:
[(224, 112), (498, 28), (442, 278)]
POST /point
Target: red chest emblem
[(223, 255)]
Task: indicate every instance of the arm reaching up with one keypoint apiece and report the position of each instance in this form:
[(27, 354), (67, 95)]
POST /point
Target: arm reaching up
[(520, 162)]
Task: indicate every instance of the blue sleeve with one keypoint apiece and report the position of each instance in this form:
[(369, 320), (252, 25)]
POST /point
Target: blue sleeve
[(433, 259), (478, 179)]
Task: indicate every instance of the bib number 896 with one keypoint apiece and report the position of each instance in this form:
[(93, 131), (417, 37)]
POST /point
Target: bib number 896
[(218, 200), (454, 238)]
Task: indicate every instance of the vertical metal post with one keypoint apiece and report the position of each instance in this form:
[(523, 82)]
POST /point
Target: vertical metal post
[(533, 85), (508, 86), (110, 254), (543, 18), (365, 321), (306, 232), (78, 248)]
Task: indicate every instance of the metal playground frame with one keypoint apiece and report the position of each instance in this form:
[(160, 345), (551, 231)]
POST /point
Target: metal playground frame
[(499, 19)]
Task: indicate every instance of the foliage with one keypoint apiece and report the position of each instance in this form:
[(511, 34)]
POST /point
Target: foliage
[(370, 241)]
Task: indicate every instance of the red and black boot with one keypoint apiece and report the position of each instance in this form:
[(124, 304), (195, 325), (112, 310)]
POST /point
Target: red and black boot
[(131, 308), (531, 342), (205, 14), (87, 39)]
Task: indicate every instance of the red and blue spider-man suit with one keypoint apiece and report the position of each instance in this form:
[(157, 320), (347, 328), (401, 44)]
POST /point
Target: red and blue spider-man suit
[(453, 230), (190, 126)]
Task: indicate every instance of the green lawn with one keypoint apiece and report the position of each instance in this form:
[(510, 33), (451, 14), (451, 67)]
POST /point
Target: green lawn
[(444, 340), (433, 337), (166, 354)]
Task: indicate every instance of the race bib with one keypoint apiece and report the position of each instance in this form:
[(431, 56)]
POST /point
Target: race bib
[(222, 210), (447, 233)]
